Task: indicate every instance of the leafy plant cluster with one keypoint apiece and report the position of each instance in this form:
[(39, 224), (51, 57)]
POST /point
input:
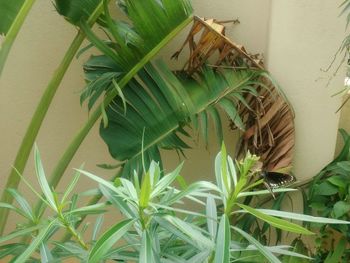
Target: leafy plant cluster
[(329, 196), (157, 226)]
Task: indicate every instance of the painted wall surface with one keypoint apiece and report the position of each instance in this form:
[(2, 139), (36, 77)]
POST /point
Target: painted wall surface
[(296, 37), (304, 37)]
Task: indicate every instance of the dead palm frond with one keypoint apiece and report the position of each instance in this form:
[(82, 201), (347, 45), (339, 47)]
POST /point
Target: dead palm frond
[(267, 115)]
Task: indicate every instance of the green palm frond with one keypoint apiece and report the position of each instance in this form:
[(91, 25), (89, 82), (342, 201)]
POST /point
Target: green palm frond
[(130, 43), (161, 104)]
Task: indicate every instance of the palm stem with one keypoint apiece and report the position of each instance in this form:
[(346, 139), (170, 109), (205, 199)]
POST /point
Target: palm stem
[(38, 117), (13, 32), (78, 139)]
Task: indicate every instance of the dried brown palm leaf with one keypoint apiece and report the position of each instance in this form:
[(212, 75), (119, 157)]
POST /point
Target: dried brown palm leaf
[(268, 117)]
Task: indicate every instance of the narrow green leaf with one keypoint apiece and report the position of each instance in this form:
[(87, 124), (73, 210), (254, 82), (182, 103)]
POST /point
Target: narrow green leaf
[(222, 251), (45, 254), (211, 213), (98, 208), (276, 222), (20, 233), (104, 115), (166, 181), (189, 230), (35, 243), (108, 239), (15, 209), (341, 208), (231, 110), (146, 189), (12, 249), (71, 186), (146, 252), (44, 185), (301, 217), (119, 202), (217, 123), (266, 192), (26, 208), (265, 252), (120, 94), (101, 181), (97, 227)]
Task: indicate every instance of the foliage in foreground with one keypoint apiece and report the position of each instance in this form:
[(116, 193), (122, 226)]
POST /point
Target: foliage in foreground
[(157, 224), (329, 195)]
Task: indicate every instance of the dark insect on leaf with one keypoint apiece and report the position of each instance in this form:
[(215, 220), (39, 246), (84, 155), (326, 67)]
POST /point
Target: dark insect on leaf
[(277, 180)]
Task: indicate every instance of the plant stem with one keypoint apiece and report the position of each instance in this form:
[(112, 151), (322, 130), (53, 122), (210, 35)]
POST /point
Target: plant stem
[(38, 117), (13, 32), (73, 232), (78, 139)]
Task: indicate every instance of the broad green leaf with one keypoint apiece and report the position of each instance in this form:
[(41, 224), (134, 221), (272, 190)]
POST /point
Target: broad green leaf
[(154, 105), (276, 222), (108, 239), (338, 181), (44, 185), (326, 189), (222, 250), (264, 251), (36, 242), (146, 252), (341, 208)]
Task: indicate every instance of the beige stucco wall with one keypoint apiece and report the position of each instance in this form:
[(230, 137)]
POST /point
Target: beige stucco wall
[(304, 37), (296, 37)]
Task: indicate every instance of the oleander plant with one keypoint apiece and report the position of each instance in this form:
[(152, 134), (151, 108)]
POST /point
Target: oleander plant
[(155, 223)]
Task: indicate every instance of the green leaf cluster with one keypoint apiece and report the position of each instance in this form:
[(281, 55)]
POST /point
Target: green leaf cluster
[(157, 225), (329, 196)]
